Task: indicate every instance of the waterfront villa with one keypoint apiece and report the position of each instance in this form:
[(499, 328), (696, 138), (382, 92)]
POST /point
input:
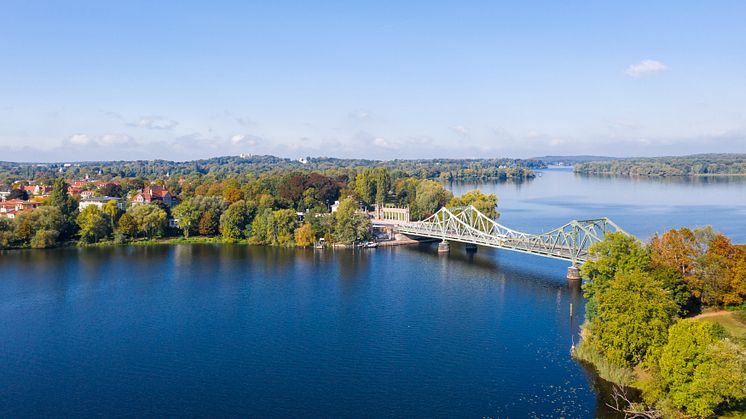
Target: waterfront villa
[(100, 201), (152, 194)]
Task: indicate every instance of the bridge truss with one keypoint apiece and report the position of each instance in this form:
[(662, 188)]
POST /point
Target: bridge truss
[(571, 241)]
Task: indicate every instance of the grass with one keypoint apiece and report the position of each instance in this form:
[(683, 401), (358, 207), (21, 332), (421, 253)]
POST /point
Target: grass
[(587, 353), (733, 322)]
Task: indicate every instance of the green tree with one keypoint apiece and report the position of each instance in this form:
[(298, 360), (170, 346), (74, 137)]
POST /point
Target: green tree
[(94, 224), (111, 209), (486, 204), (45, 218), (7, 230), (285, 222), (188, 217), (151, 219), (235, 220), (617, 253), (430, 197), (350, 226), (67, 205), (634, 313), (44, 238), (127, 226), (262, 227), (700, 370)]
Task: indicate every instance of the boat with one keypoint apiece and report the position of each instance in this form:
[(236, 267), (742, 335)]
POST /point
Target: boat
[(371, 245), (319, 244)]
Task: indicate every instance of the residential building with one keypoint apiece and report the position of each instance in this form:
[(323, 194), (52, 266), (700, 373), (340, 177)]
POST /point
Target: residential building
[(152, 194), (100, 201)]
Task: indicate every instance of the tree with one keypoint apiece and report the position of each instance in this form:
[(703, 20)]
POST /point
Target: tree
[(304, 235), (127, 226), (67, 205), (111, 189), (285, 223), (262, 227), (209, 224), (232, 195), (7, 228), (723, 273), (700, 369), (111, 209), (486, 204), (350, 226), (382, 181), (44, 218), (680, 250), (188, 217), (18, 194), (430, 197), (151, 219), (634, 313), (44, 239), (617, 253), (94, 224), (235, 220)]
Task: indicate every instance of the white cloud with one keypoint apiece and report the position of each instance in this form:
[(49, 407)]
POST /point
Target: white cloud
[(383, 143), (360, 114), (79, 139), (154, 122), (645, 67), (243, 139), (460, 129), (82, 141)]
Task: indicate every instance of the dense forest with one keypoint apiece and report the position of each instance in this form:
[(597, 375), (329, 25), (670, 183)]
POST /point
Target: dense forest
[(694, 165), (223, 167), (655, 321)]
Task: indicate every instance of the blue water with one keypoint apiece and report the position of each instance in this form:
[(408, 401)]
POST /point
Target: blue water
[(203, 330)]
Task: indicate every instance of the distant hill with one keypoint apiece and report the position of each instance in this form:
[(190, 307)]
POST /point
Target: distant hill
[(571, 160), (692, 165)]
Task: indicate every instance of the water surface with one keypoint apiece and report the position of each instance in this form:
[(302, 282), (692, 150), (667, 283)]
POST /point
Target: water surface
[(205, 330)]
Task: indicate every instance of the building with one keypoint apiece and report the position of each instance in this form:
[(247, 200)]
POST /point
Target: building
[(152, 194), (335, 206), (100, 201), (37, 189), (4, 192), (382, 212), (11, 208)]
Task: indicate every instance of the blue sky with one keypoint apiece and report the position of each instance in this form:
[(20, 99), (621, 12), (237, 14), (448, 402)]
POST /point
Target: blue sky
[(127, 79)]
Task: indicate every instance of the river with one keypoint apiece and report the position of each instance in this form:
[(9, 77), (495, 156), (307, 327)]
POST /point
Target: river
[(221, 330)]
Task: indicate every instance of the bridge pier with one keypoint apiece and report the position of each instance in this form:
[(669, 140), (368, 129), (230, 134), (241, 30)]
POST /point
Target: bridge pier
[(444, 247), (470, 248), (573, 273)]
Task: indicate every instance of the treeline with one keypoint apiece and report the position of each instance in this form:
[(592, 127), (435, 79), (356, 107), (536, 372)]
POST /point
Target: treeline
[(276, 208), (226, 167), (695, 165), (639, 331)]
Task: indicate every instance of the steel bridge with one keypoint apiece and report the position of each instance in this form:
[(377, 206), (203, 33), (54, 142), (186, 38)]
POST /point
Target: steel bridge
[(571, 241)]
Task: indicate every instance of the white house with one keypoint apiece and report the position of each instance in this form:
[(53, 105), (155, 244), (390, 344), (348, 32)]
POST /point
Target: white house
[(100, 201)]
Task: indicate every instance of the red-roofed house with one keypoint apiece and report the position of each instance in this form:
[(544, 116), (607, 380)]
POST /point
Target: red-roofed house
[(37, 189), (152, 194), (10, 208)]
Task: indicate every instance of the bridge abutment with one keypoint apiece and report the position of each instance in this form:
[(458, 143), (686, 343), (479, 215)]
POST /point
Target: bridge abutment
[(444, 247)]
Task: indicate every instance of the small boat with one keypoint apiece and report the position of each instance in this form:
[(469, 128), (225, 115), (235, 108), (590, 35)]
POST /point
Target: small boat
[(319, 244), (371, 245)]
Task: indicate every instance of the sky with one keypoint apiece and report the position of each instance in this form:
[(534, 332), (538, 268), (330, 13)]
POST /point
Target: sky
[(120, 80)]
